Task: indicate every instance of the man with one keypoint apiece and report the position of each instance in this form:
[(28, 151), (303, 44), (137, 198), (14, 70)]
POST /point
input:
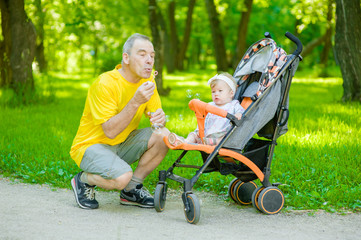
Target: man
[(108, 140)]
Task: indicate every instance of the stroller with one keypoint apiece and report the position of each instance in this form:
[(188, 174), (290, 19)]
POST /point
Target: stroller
[(264, 78)]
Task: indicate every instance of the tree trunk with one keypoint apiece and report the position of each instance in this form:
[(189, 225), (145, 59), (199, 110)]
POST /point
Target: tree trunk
[(158, 47), (297, 24), (173, 43), (242, 33), (5, 46), (311, 45), (39, 53), (217, 36), (328, 40), (348, 44), (165, 40), (187, 34), (19, 43)]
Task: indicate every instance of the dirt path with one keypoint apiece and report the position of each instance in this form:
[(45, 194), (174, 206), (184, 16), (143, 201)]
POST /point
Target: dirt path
[(39, 212)]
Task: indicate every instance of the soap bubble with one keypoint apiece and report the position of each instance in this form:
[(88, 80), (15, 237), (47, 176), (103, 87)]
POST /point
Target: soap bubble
[(197, 96), (189, 93)]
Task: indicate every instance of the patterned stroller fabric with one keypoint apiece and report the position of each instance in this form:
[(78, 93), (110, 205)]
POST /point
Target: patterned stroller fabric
[(264, 56), (258, 77)]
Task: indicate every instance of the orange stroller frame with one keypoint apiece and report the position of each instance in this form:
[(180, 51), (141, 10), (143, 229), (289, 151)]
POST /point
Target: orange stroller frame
[(250, 163)]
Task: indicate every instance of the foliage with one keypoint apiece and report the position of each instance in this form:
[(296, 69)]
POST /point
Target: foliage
[(310, 12), (89, 34), (317, 161)]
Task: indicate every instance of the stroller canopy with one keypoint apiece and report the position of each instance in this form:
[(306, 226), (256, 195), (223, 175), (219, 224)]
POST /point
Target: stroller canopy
[(265, 57)]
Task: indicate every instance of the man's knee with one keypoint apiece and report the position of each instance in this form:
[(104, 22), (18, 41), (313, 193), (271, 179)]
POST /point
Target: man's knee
[(122, 181), (157, 139)]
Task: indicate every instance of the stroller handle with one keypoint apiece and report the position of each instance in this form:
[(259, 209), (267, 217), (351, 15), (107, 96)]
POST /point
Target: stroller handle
[(297, 41)]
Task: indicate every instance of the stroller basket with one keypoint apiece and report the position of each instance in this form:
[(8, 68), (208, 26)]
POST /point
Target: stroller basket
[(257, 151)]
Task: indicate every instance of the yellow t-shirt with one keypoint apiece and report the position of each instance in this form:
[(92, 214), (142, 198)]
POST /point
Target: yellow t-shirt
[(107, 96)]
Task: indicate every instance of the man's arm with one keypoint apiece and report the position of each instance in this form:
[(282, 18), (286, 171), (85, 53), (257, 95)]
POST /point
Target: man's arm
[(116, 124)]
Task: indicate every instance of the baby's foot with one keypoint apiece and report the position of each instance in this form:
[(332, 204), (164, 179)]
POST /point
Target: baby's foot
[(175, 140)]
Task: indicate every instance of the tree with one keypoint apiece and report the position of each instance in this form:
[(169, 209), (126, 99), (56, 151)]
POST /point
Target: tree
[(158, 46), (173, 43), (315, 19), (242, 32), (187, 33), (348, 44), (329, 31), (39, 51), (217, 36), (168, 51), (175, 50), (310, 46), (17, 50)]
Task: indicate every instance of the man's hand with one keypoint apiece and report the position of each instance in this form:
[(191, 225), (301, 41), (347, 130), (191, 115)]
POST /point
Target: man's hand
[(157, 117), (116, 124), (144, 93)]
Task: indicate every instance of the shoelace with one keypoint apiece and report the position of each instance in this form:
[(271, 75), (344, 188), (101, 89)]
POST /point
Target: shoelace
[(89, 193), (143, 193)]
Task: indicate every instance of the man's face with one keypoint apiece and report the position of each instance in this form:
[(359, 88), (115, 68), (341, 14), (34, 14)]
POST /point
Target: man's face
[(141, 59)]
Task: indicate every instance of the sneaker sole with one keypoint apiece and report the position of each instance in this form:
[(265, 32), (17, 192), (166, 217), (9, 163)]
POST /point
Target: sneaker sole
[(76, 195), (129, 203)]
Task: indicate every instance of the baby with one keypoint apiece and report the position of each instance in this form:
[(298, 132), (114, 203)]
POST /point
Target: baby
[(223, 88)]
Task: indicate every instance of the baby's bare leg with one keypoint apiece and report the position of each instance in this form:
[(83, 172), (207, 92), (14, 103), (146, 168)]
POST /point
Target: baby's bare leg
[(192, 138)]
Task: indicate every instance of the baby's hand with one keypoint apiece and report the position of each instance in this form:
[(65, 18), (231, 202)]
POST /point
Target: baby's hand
[(238, 115)]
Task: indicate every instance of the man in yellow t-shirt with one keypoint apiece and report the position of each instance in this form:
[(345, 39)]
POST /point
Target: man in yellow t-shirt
[(108, 139)]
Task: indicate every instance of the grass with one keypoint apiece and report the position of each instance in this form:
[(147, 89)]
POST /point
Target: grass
[(318, 160)]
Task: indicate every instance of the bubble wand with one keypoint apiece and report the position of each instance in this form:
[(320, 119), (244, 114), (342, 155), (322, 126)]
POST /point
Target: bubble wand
[(155, 73), (156, 128)]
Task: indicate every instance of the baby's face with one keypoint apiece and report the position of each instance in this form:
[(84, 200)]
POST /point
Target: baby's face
[(221, 93)]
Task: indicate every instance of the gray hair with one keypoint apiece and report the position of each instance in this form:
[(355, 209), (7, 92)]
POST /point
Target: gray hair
[(130, 41)]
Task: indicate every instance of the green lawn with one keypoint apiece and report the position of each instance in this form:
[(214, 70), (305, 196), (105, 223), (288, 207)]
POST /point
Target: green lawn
[(318, 160)]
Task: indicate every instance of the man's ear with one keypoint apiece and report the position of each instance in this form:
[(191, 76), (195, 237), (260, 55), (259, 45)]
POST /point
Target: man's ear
[(125, 58)]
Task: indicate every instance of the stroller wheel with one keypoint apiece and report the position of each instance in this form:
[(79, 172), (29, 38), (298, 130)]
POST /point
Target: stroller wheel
[(243, 192), (193, 210), (231, 186), (255, 196), (160, 196), (271, 200)]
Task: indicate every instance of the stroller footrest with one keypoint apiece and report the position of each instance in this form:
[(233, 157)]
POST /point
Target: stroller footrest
[(187, 166), (177, 178)]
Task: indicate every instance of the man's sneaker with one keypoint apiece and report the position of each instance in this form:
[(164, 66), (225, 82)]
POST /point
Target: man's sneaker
[(137, 197), (84, 193)]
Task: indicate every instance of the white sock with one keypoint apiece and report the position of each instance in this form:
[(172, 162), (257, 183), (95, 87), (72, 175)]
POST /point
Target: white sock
[(133, 183), (84, 177)]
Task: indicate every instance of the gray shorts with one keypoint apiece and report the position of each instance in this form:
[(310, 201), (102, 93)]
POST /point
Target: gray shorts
[(111, 162)]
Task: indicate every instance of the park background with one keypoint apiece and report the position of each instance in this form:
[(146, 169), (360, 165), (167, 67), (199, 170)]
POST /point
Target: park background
[(51, 51)]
